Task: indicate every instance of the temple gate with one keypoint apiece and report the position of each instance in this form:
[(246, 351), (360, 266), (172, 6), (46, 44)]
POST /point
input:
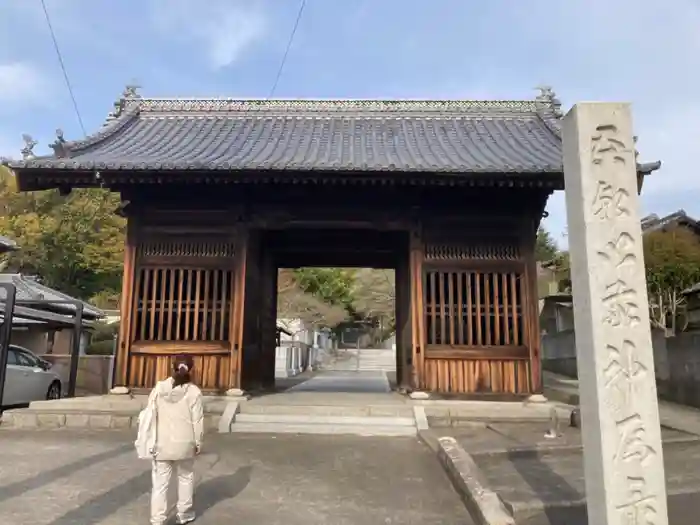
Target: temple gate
[(221, 193)]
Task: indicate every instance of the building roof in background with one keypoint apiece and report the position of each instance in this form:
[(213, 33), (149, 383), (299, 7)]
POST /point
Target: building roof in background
[(652, 222), (24, 316), (517, 137), (7, 244), (28, 289)]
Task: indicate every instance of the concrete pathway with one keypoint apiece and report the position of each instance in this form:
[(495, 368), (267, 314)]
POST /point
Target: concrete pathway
[(673, 415), (367, 381), (61, 478)]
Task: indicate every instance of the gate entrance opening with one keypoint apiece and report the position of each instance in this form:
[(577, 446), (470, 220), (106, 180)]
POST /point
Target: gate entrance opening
[(349, 248)]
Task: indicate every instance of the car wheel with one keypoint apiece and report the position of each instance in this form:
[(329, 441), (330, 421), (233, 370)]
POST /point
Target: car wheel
[(54, 391)]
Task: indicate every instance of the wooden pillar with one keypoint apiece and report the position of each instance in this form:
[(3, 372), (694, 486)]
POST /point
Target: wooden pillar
[(404, 349), (417, 309), (268, 325), (121, 366), (252, 366), (532, 310), (238, 308)]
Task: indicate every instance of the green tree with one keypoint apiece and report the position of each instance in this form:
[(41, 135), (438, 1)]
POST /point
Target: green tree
[(332, 285), (672, 260), (73, 244), (545, 246), (295, 303), (374, 300)]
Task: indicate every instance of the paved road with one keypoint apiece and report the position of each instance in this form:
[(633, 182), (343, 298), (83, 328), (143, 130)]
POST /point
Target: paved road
[(345, 381), (64, 478)]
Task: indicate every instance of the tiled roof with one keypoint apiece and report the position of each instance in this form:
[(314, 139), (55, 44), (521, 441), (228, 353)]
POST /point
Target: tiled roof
[(32, 316), (457, 136), (28, 289), (679, 218)]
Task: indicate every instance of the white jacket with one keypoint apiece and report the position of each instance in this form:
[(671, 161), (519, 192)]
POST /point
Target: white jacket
[(180, 420)]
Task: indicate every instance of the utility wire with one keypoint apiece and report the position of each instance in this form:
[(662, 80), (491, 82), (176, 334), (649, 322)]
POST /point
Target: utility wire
[(289, 45), (63, 67)]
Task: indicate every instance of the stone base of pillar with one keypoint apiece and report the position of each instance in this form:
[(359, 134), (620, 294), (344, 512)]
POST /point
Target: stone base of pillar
[(536, 398), (419, 395), (237, 392)]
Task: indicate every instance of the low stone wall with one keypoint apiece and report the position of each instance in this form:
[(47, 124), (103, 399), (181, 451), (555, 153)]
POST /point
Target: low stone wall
[(29, 419), (559, 353), (94, 372), (292, 359), (678, 369), (676, 362)]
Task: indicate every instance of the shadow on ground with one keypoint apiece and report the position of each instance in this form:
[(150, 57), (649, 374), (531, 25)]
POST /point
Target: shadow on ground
[(208, 494), (221, 488), (45, 478)]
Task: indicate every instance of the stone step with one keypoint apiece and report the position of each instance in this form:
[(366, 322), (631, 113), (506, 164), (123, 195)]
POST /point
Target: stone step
[(347, 429), (107, 419), (394, 411), (296, 419)]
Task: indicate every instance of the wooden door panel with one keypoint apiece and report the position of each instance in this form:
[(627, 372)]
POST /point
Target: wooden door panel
[(184, 297)]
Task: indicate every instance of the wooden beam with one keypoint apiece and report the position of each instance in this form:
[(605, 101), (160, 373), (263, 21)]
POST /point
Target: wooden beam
[(121, 366)]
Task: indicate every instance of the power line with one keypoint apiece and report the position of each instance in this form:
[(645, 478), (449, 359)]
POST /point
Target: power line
[(63, 67), (289, 45)]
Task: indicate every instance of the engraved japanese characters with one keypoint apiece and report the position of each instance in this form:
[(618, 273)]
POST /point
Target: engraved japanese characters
[(623, 371)]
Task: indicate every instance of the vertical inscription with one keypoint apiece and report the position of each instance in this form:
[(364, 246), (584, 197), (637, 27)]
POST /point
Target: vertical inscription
[(639, 507), (622, 369), (619, 299), (610, 202)]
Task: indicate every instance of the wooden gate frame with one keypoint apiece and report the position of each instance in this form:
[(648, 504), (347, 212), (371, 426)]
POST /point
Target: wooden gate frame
[(238, 307), (417, 317)]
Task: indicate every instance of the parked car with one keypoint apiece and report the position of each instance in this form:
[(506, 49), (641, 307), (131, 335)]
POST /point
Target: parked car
[(29, 378)]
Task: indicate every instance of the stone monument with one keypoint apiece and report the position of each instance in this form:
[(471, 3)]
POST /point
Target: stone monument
[(623, 460)]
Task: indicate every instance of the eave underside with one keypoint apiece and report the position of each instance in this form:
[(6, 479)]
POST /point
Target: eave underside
[(43, 179)]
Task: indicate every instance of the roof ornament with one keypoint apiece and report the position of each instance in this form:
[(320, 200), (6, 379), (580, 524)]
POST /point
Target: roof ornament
[(129, 95), (59, 146), (28, 149), (131, 92), (548, 98), (636, 151)]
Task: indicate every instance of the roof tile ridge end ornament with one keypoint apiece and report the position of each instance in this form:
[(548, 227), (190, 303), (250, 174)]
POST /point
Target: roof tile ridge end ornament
[(27, 152), (187, 105), (126, 108), (645, 168), (549, 109)]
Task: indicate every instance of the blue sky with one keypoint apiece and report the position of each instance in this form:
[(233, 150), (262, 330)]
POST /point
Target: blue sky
[(641, 51)]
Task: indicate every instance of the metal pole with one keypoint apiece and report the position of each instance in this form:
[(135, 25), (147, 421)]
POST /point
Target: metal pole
[(114, 361), (75, 348), (6, 331)]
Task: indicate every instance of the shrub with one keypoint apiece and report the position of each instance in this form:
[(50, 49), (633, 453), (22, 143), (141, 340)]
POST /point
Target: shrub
[(101, 348), (104, 332)]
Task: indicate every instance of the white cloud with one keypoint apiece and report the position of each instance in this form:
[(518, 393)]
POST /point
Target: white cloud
[(21, 83), (224, 29)]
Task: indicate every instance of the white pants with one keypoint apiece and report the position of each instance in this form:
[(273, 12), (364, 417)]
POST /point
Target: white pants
[(161, 473)]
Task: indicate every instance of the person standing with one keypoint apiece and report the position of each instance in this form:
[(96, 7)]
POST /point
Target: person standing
[(179, 425)]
